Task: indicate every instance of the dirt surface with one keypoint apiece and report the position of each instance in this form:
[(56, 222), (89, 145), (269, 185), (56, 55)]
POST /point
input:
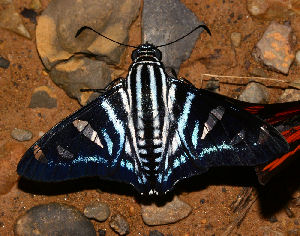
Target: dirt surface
[(209, 195)]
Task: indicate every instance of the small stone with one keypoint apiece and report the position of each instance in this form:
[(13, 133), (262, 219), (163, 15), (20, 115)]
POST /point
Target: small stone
[(171, 212), (43, 97), (4, 63), (213, 85), (236, 38), (11, 20), (254, 93), (290, 95), (298, 57), (10, 154), (53, 219), (155, 233), (35, 5), (202, 201), (21, 134), (224, 190), (119, 224), (271, 9), (98, 210), (274, 49)]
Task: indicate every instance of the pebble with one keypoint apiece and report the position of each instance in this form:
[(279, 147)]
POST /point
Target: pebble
[(21, 134), (43, 97), (171, 212), (10, 154), (170, 19), (274, 49), (97, 210), (119, 224), (236, 38), (271, 9), (254, 93), (290, 95), (10, 19), (155, 233), (53, 219), (4, 63), (298, 57)]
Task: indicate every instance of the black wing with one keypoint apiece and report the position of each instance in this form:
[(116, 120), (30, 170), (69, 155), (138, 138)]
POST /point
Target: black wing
[(91, 142), (208, 130)]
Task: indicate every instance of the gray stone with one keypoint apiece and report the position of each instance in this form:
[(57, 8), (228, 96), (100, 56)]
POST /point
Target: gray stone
[(236, 38), (4, 63), (119, 224), (21, 134), (98, 210), (171, 212), (42, 98), (290, 95), (169, 21), (80, 73), (275, 48), (53, 219), (254, 93)]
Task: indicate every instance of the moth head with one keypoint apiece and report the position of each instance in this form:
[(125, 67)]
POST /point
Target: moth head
[(146, 50)]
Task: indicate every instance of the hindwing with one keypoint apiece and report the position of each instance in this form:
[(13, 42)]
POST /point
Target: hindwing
[(208, 130)]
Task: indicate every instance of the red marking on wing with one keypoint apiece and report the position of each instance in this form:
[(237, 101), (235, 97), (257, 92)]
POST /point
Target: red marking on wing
[(254, 109), (292, 135), (280, 116), (278, 161)]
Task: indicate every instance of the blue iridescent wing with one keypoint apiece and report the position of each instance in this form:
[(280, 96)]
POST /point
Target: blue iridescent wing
[(208, 130), (91, 142)]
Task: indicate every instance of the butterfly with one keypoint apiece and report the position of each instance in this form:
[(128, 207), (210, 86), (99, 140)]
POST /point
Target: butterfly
[(152, 130)]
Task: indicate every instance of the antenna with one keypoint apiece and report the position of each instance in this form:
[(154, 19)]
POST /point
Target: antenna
[(87, 27), (127, 45), (199, 26)]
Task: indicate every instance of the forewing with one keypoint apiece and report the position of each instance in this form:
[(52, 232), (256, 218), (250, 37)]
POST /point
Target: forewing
[(207, 130), (90, 142)]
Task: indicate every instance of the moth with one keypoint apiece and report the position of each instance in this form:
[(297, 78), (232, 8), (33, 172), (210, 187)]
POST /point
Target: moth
[(152, 130)]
